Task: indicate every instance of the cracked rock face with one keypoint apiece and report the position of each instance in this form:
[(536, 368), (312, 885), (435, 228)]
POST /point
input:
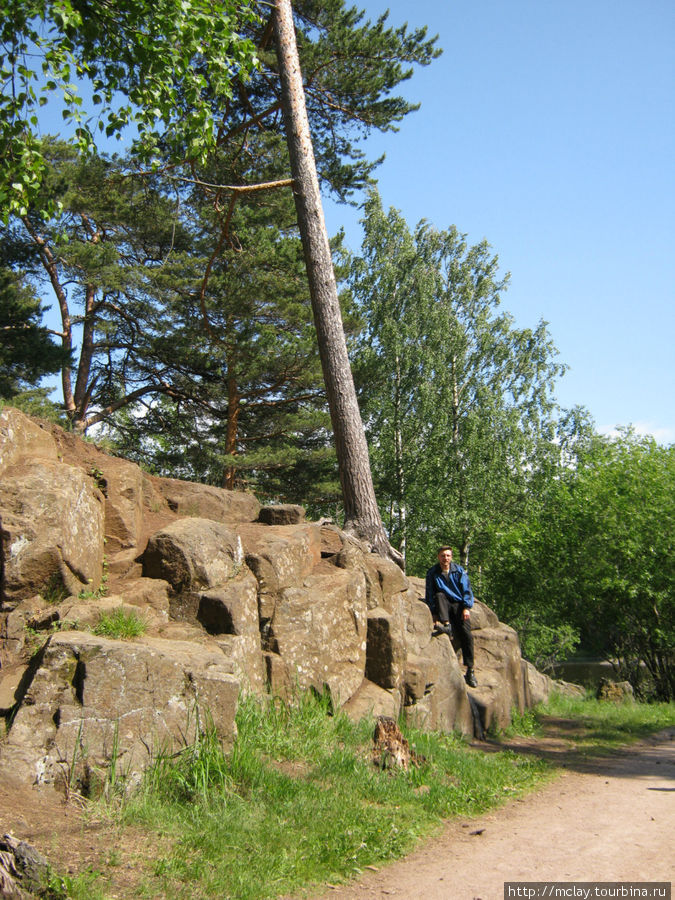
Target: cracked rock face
[(319, 631), (52, 530), (89, 700)]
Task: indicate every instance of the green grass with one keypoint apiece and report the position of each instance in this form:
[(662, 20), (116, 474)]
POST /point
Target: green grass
[(526, 724), (298, 802), (607, 726), (120, 624), (54, 591), (86, 886)]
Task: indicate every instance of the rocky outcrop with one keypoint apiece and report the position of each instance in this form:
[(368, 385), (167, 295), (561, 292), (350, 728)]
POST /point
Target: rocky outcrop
[(52, 530), (89, 702), (188, 499), (232, 597)]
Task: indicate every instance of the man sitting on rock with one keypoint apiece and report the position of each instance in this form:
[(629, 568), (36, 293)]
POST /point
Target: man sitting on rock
[(450, 598)]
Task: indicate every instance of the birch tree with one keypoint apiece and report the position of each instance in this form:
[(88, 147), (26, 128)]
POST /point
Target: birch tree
[(142, 59), (458, 400)]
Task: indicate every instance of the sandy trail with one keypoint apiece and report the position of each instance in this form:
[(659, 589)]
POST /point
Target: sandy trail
[(613, 821), (604, 820)]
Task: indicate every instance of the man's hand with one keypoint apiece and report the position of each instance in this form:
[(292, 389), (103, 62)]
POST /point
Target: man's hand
[(466, 614)]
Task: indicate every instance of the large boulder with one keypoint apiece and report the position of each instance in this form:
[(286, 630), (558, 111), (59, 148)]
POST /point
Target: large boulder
[(126, 488), (279, 556), (202, 561), (22, 439), (193, 554), (318, 633), (282, 514), (499, 672), (538, 686), (615, 691), (187, 498), (434, 693), (403, 657), (52, 530), (91, 703), (502, 683), (384, 579)]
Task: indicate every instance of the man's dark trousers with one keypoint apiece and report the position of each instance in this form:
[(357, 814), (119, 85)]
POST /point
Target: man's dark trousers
[(452, 611)]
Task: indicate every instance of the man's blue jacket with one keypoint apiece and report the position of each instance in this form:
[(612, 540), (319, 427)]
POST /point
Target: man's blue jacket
[(455, 585)]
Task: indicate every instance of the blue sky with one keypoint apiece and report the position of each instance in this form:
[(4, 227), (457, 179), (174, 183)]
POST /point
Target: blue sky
[(549, 129)]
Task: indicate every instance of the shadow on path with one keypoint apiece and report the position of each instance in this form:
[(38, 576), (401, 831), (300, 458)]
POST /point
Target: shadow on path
[(562, 745)]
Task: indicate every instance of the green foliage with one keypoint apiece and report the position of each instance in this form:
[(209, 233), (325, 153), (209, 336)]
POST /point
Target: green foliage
[(244, 404), (298, 803), (34, 639), (193, 76), (457, 400), (188, 297), (27, 351), (54, 590), (526, 724), (170, 60), (121, 624), (96, 260), (596, 555), (195, 772)]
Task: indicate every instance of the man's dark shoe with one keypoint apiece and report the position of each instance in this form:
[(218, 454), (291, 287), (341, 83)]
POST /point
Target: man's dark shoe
[(470, 678), (442, 628)]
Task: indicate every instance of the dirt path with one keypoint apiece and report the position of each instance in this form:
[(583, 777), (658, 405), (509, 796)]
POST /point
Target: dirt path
[(604, 820), (609, 820)]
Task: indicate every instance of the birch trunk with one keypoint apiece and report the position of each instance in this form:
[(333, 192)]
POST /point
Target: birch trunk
[(398, 451), (362, 515)]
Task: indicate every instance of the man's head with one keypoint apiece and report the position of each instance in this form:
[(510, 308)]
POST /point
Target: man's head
[(444, 556)]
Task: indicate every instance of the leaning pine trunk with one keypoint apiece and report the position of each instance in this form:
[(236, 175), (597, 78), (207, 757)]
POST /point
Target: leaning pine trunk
[(362, 514)]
